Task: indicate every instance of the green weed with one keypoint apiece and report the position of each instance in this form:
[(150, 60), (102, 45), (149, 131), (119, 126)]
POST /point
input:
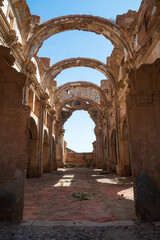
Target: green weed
[(80, 196)]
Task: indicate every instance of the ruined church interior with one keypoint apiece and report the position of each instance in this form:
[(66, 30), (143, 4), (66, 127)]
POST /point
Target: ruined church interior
[(125, 110)]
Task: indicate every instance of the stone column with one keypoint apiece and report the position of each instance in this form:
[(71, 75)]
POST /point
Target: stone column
[(59, 147), (143, 108), (99, 147), (62, 145), (26, 88), (118, 131), (51, 157), (14, 120), (40, 139), (106, 156), (94, 154), (32, 159)]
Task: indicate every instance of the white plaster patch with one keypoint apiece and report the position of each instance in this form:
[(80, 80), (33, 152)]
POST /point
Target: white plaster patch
[(154, 10)]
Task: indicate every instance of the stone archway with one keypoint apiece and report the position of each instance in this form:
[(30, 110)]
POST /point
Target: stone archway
[(126, 161), (57, 68), (32, 149), (90, 23), (113, 152), (45, 152), (80, 90), (65, 107)]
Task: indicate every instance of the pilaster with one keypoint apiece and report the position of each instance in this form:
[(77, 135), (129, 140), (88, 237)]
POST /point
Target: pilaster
[(143, 108)]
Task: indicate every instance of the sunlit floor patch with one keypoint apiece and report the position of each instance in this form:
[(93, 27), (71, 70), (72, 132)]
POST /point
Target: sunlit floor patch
[(108, 181), (127, 193), (68, 176)]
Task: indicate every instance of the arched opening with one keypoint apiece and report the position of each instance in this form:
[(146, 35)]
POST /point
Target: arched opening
[(79, 136), (89, 63), (76, 43), (107, 28), (45, 152), (76, 74), (113, 152), (32, 149), (79, 133), (126, 161)]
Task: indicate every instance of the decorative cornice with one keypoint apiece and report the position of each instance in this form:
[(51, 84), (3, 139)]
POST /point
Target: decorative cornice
[(29, 67), (98, 130), (12, 38)]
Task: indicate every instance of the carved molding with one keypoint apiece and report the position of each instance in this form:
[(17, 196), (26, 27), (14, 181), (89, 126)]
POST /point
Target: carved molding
[(28, 66), (12, 38), (1, 3), (120, 85), (28, 81), (98, 130), (144, 97), (23, 16)]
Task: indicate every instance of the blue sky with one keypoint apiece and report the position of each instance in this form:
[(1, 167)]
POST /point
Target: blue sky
[(79, 44)]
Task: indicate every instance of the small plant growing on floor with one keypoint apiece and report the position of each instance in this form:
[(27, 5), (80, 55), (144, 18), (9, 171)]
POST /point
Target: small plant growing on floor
[(83, 197), (80, 196), (75, 195), (103, 173), (72, 180)]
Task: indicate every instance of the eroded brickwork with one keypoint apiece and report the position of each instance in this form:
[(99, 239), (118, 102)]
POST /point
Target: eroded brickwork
[(125, 108)]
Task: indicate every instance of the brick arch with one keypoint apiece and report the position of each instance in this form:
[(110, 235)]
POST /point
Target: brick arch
[(98, 25), (80, 84), (94, 106), (79, 99), (57, 68), (61, 96)]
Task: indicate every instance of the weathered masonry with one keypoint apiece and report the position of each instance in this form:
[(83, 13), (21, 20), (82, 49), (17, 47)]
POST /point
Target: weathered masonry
[(125, 108)]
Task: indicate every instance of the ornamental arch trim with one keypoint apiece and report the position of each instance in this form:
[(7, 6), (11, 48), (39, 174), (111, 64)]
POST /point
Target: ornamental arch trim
[(63, 93), (98, 25), (57, 68)]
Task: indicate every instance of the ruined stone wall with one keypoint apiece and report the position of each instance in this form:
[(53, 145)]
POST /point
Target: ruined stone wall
[(79, 159)]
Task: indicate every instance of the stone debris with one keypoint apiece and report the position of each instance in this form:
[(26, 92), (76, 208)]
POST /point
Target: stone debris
[(135, 232)]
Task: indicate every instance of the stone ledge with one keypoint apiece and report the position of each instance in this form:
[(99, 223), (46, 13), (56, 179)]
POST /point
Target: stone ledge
[(77, 224)]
